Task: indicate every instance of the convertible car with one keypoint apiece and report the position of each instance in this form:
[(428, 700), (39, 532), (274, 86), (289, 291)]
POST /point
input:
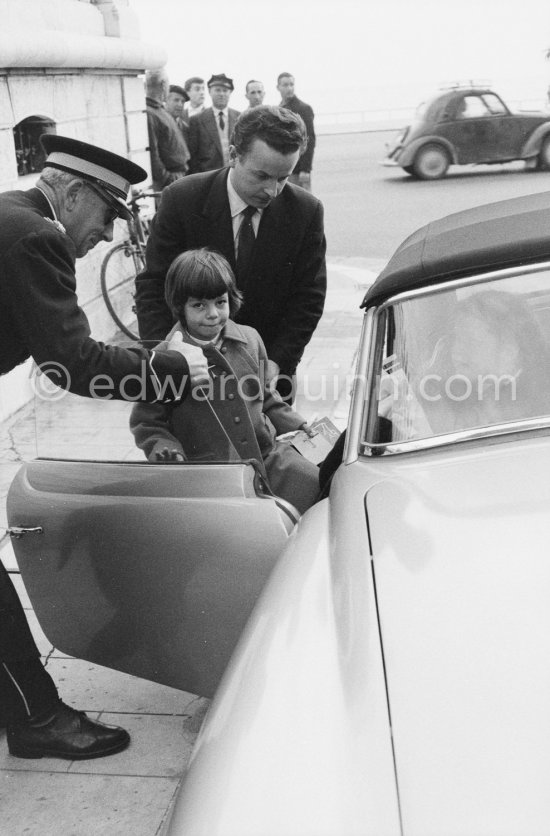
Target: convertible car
[(469, 125), (380, 667)]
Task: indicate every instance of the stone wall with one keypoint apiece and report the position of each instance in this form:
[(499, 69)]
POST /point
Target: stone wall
[(79, 64)]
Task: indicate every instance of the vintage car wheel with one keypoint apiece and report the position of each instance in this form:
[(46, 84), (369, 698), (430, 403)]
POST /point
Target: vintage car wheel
[(409, 169), (431, 162), (543, 160)]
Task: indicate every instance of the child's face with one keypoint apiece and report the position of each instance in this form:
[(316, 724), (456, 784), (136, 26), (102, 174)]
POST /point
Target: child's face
[(205, 318)]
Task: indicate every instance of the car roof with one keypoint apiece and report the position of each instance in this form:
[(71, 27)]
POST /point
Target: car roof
[(490, 237)]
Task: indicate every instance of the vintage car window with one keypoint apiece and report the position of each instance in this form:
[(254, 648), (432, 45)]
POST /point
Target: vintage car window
[(461, 359), (472, 107), (495, 105)]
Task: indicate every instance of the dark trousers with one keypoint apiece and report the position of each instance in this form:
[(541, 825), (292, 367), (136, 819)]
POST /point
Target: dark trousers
[(26, 690)]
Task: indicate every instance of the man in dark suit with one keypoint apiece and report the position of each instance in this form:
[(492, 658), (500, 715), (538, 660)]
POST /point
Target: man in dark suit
[(248, 210), (210, 131), (302, 173)]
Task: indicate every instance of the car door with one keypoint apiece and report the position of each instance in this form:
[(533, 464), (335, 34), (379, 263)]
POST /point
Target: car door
[(150, 569), (474, 130)]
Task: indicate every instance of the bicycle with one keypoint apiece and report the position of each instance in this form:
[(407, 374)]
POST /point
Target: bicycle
[(121, 265)]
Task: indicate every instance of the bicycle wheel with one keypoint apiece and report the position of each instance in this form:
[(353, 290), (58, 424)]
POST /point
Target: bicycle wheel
[(118, 272)]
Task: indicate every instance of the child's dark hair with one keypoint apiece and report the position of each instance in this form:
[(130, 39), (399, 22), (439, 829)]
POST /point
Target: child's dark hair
[(204, 274)]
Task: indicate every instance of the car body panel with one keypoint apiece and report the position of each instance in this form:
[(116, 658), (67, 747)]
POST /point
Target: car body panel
[(303, 697), (148, 569), (486, 136), (460, 543)]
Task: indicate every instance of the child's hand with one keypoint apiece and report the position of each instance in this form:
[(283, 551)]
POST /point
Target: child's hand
[(168, 456)]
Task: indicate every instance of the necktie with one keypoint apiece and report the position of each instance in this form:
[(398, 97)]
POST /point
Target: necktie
[(246, 242), (222, 120)]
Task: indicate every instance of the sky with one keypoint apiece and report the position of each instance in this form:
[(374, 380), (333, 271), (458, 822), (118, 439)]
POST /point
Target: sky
[(355, 54)]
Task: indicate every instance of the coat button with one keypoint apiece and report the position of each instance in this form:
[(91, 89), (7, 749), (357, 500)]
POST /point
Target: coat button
[(223, 350), (237, 420), (231, 397)]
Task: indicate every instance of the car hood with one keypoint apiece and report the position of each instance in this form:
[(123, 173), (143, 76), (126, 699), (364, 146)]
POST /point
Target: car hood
[(461, 556)]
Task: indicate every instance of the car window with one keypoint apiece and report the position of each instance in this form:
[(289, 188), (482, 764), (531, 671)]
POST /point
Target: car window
[(495, 105), (461, 359), (472, 107)]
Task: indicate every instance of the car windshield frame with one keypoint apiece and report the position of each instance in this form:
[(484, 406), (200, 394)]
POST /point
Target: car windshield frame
[(372, 365)]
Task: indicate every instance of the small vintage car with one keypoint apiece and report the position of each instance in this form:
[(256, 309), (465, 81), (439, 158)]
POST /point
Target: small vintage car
[(394, 675), (469, 125)]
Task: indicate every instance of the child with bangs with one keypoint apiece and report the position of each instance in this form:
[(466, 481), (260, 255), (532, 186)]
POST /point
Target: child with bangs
[(236, 416)]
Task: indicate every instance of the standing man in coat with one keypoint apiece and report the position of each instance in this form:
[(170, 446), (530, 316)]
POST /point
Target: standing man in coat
[(270, 231), (167, 146), (81, 191), (302, 173), (210, 131)]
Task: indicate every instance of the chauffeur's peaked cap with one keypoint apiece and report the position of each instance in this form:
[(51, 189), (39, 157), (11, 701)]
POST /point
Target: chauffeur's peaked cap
[(111, 173)]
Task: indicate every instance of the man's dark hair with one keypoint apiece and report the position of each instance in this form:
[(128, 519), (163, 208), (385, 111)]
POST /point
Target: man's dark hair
[(252, 81), (193, 80), (281, 129), (175, 88), (284, 75)]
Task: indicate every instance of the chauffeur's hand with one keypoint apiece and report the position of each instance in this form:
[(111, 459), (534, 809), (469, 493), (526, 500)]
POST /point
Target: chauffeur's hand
[(198, 365)]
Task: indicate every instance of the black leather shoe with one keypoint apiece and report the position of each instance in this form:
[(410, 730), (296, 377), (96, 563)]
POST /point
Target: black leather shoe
[(66, 734)]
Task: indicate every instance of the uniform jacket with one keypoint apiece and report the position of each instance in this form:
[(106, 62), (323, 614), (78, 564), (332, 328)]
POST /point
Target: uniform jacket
[(237, 405), (284, 293), (40, 315), (204, 140), (167, 146), (305, 163)]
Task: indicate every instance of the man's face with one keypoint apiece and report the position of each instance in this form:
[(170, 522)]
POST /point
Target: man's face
[(261, 174), (219, 95), (196, 94), (286, 87), (255, 93), (88, 218), (174, 104)]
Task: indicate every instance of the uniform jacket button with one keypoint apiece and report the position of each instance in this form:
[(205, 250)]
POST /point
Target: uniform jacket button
[(237, 420)]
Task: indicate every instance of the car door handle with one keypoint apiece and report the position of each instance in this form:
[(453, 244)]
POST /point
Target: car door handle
[(17, 531)]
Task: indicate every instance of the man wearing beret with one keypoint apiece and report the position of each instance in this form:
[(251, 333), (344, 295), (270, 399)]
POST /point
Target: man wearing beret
[(210, 131), (271, 233), (81, 191)]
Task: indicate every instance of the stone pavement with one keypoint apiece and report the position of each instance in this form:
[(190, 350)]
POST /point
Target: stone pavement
[(130, 794)]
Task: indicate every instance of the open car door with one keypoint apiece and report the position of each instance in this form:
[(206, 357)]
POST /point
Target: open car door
[(151, 569)]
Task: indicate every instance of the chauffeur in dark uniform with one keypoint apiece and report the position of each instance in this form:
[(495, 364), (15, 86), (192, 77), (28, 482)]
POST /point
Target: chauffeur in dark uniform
[(81, 191)]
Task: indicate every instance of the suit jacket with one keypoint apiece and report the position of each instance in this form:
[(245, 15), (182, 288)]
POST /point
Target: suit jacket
[(284, 292), (204, 140)]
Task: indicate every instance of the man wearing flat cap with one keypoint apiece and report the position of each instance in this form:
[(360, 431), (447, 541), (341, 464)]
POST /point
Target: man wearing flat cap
[(80, 192), (210, 132)]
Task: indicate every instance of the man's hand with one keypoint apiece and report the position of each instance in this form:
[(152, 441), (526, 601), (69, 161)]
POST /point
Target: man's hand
[(168, 456), (197, 362)]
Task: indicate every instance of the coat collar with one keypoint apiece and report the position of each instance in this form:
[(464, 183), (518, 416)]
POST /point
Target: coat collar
[(231, 331)]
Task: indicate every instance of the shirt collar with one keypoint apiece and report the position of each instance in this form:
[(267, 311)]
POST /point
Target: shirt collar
[(236, 203)]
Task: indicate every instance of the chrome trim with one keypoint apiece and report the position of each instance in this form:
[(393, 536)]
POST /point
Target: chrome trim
[(495, 431), (360, 388)]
